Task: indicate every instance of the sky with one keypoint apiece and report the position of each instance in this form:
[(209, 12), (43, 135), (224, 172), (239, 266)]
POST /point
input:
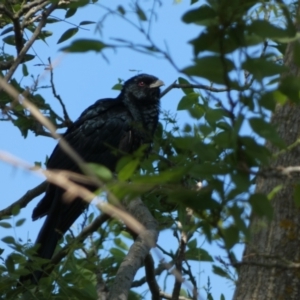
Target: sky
[(80, 80)]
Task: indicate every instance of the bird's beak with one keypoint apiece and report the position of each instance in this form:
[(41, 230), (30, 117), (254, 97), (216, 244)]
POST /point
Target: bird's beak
[(156, 84)]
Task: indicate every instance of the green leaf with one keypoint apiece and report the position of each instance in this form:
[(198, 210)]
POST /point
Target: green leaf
[(219, 271), (297, 195), (142, 16), (86, 23), (275, 191), (120, 243), (121, 10), (20, 222), (10, 265), (28, 57), (267, 131), (198, 254), (185, 90), (24, 124), (16, 210), (117, 254), (237, 214), (279, 97), (212, 116), (192, 244), (67, 35), (231, 236), (267, 101), (127, 171), (10, 40), (296, 54), (5, 225), (265, 29), (188, 101), (101, 171), (261, 205), (7, 30), (52, 20), (204, 15), (211, 68), (44, 34), (70, 12), (290, 86), (8, 240), (209, 40), (117, 87), (261, 67), (78, 3), (24, 70), (84, 45)]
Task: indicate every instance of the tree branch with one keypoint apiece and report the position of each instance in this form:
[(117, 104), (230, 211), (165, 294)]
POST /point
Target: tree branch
[(146, 239), (18, 35), (24, 200), (175, 85), (67, 119), (158, 271), (150, 276), (88, 230), (28, 6), (27, 46), (168, 296), (178, 264)]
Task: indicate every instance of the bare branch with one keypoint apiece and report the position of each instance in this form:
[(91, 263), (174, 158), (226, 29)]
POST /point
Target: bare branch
[(24, 200), (178, 264), (158, 271), (175, 85), (46, 122), (277, 172), (26, 7), (168, 296), (138, 251), (27, 46), (67, 119), (6, 12), (61, 254), (150, 276), (18, 35), (290, 265), (88, 230)]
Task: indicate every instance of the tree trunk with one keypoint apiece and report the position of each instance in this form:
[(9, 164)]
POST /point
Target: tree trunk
[(268, 270)]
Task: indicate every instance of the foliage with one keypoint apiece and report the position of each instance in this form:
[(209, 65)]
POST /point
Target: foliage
[(199, 179)]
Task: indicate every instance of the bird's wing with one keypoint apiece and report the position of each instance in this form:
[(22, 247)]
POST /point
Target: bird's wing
[(99, 129), (96, 136)]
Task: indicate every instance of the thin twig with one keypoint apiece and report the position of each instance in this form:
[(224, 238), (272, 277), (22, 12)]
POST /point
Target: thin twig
[(150, 276), (18, 35), (24, 200), (67, 119), (158, 271), (175, 85), (168, 296), (88, 230), (27, 46), (178, 264)]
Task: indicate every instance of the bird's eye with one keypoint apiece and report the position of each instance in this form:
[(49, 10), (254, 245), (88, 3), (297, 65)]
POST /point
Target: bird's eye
[(141, 83)]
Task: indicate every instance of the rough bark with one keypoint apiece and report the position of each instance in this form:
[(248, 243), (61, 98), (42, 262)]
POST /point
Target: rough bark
[(137, 252), (276, 244)]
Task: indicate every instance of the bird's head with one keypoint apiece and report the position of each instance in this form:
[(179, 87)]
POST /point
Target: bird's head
[(142, 87)]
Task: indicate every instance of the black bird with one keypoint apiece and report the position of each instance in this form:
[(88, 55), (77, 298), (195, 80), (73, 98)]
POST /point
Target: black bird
[(123, 123)]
